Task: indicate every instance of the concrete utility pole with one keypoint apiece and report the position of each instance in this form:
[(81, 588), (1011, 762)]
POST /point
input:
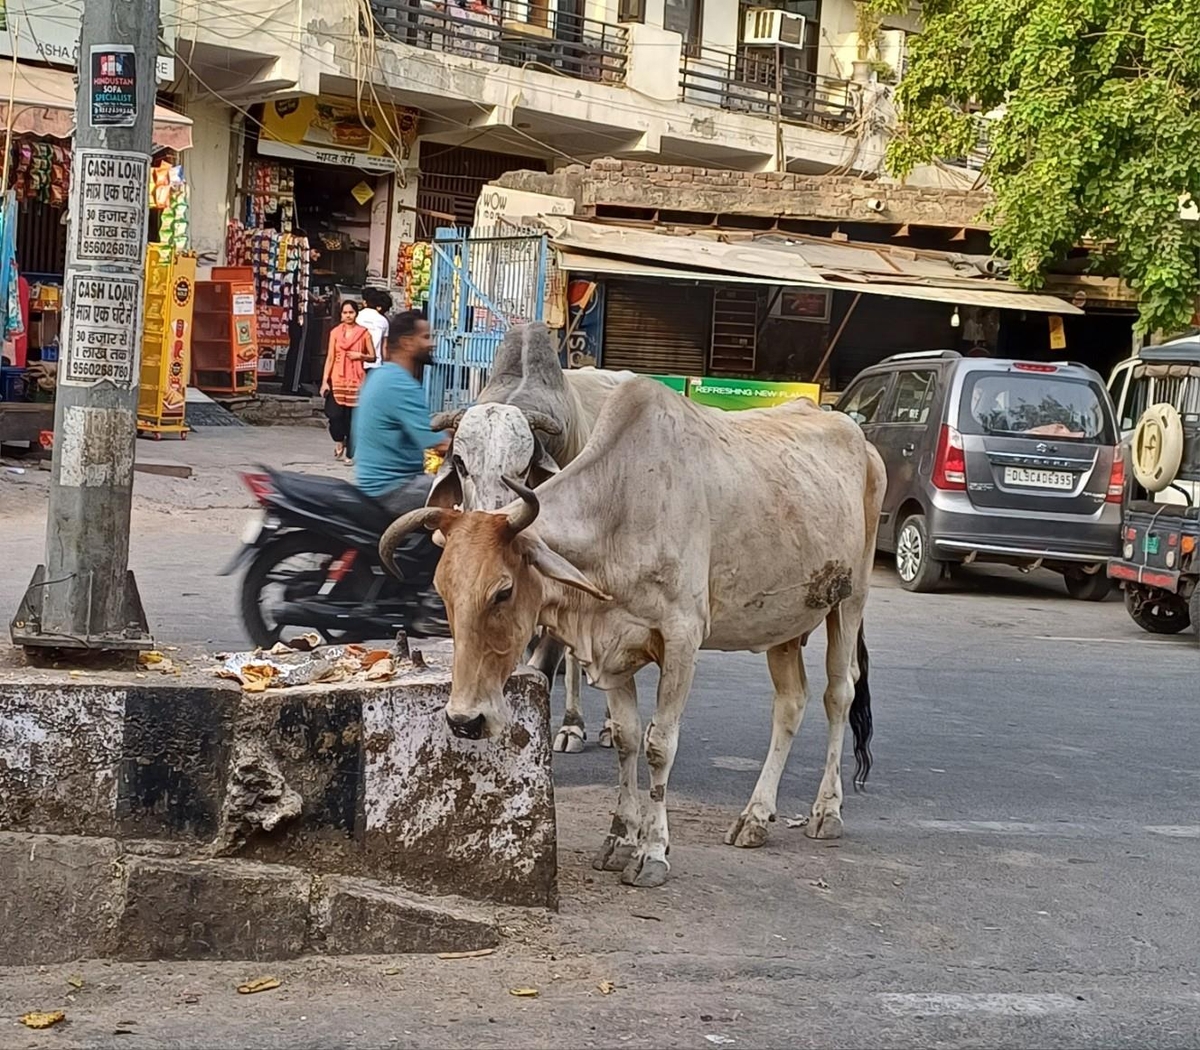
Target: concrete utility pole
[(84, 596)]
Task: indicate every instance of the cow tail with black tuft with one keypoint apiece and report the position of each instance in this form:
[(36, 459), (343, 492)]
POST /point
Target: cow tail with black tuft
[(860, 716)]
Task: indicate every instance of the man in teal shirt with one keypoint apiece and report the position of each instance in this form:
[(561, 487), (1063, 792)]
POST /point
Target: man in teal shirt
[(391, 421)]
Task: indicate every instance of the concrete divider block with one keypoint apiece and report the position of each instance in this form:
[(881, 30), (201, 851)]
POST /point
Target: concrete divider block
[(212, 909), (60, 898), (354, 778), (446, 815), (388, 793), (175, 748), (356, 917), (59, 757)]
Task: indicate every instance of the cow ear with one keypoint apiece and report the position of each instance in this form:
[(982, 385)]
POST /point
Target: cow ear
[(447, 489), (556, 567), (542, 466)]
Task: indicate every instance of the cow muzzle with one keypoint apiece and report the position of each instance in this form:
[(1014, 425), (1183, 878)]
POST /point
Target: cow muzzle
[(466, 728)]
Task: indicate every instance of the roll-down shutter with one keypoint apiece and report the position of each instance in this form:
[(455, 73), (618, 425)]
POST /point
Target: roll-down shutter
[(657, 327)]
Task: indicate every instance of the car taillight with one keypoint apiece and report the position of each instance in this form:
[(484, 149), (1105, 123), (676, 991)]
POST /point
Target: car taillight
[(950, 464), (1029, 366), (259, 486), (1116, 480)]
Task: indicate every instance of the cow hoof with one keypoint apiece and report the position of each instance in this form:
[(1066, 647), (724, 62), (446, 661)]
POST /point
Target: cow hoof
[(746, 833), (824, 826), (614, 855), (569, 739), (606, 735), (645, 872)]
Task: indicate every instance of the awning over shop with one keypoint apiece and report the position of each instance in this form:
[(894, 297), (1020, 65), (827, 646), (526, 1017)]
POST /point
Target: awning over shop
[(699, 253), (995, 298), (617, 251), (44, 104), (576, 262)]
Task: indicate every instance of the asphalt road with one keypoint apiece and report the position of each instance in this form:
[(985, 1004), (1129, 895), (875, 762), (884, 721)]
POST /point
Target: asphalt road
[(1022, 870)]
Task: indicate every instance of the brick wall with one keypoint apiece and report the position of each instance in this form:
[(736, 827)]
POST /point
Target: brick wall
[(669, 187)]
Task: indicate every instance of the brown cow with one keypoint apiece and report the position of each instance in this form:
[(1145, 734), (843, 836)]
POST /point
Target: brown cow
[(677, 528)]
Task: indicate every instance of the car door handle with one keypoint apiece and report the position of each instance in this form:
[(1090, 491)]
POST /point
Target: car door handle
[(908, 450)]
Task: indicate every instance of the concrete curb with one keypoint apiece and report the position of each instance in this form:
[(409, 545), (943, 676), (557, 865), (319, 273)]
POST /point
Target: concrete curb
[(183, 818), (66, 897)]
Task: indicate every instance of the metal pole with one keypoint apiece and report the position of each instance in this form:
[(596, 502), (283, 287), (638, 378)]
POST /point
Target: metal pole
[(780, 158), (84, 596), (836, 336)]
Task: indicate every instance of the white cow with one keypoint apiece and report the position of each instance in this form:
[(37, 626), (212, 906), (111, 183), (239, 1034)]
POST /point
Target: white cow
[(678, 528), (531, 419)]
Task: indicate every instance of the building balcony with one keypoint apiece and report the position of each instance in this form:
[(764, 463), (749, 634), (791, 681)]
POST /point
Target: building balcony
[(523, 78), (526, 34), (749, 82)]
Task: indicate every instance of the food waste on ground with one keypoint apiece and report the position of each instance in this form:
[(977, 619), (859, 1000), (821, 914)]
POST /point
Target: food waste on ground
[(305, 661)]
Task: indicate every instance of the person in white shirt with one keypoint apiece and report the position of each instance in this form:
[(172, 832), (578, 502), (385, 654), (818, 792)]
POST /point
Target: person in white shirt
[(373, 317)]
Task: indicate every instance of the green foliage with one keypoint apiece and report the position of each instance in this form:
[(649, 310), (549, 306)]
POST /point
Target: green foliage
[(1099, 137)]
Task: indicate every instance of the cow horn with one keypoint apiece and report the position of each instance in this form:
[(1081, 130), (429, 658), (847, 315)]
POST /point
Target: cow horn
[(446, 420), (544, 423), (523, 516), (401, 527)]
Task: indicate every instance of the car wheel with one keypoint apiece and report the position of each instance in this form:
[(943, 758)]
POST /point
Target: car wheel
[(1194, 606), (1087, 586), (1157, 613), (917, 569)]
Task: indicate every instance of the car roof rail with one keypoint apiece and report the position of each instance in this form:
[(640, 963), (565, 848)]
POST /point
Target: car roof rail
[(1185, 351), (916, 355), (1071, 364)]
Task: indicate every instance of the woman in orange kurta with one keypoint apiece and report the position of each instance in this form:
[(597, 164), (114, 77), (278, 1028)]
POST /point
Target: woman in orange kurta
[(349, 346)]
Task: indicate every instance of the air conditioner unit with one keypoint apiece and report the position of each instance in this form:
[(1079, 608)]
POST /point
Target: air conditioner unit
[(765, 27)]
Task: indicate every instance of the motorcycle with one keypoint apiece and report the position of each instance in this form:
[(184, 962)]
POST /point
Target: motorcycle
[(311, 559)]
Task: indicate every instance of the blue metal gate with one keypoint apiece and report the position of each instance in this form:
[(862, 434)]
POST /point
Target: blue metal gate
[(483, 283)]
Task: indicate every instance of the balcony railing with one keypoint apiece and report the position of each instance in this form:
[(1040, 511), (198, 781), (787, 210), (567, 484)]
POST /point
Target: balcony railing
[(748, 82), (512, 33)]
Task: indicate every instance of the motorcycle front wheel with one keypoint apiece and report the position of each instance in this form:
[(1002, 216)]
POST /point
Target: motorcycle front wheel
[(298, 563)]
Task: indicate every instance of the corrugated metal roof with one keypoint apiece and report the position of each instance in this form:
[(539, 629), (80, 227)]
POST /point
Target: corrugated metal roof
[(612, 266), (697, 253), (869, 269)]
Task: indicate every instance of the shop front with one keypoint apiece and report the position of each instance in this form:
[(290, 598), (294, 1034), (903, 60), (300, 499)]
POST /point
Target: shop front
[(317, 187), (786, 310), (37, 173)]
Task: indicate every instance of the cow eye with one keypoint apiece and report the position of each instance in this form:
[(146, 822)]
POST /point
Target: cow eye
[(502, 595), (461, 467)]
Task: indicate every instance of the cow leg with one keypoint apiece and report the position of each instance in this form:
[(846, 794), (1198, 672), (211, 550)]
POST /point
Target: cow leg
[(606, 734), (546, 658), (649, 866), (841, 671), (571, 736), (786, 664), (622, 839)]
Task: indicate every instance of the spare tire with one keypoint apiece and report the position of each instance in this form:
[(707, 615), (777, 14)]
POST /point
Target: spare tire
[(1157, 448)]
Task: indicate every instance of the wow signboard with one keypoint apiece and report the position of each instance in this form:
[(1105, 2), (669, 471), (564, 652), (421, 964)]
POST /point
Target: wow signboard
[(733, 395)]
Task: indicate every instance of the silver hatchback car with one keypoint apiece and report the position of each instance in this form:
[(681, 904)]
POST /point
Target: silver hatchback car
[(993, 460)]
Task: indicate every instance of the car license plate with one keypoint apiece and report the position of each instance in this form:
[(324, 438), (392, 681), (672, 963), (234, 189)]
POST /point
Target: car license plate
[(1150, 544), (1039, 479), (253, 528)]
